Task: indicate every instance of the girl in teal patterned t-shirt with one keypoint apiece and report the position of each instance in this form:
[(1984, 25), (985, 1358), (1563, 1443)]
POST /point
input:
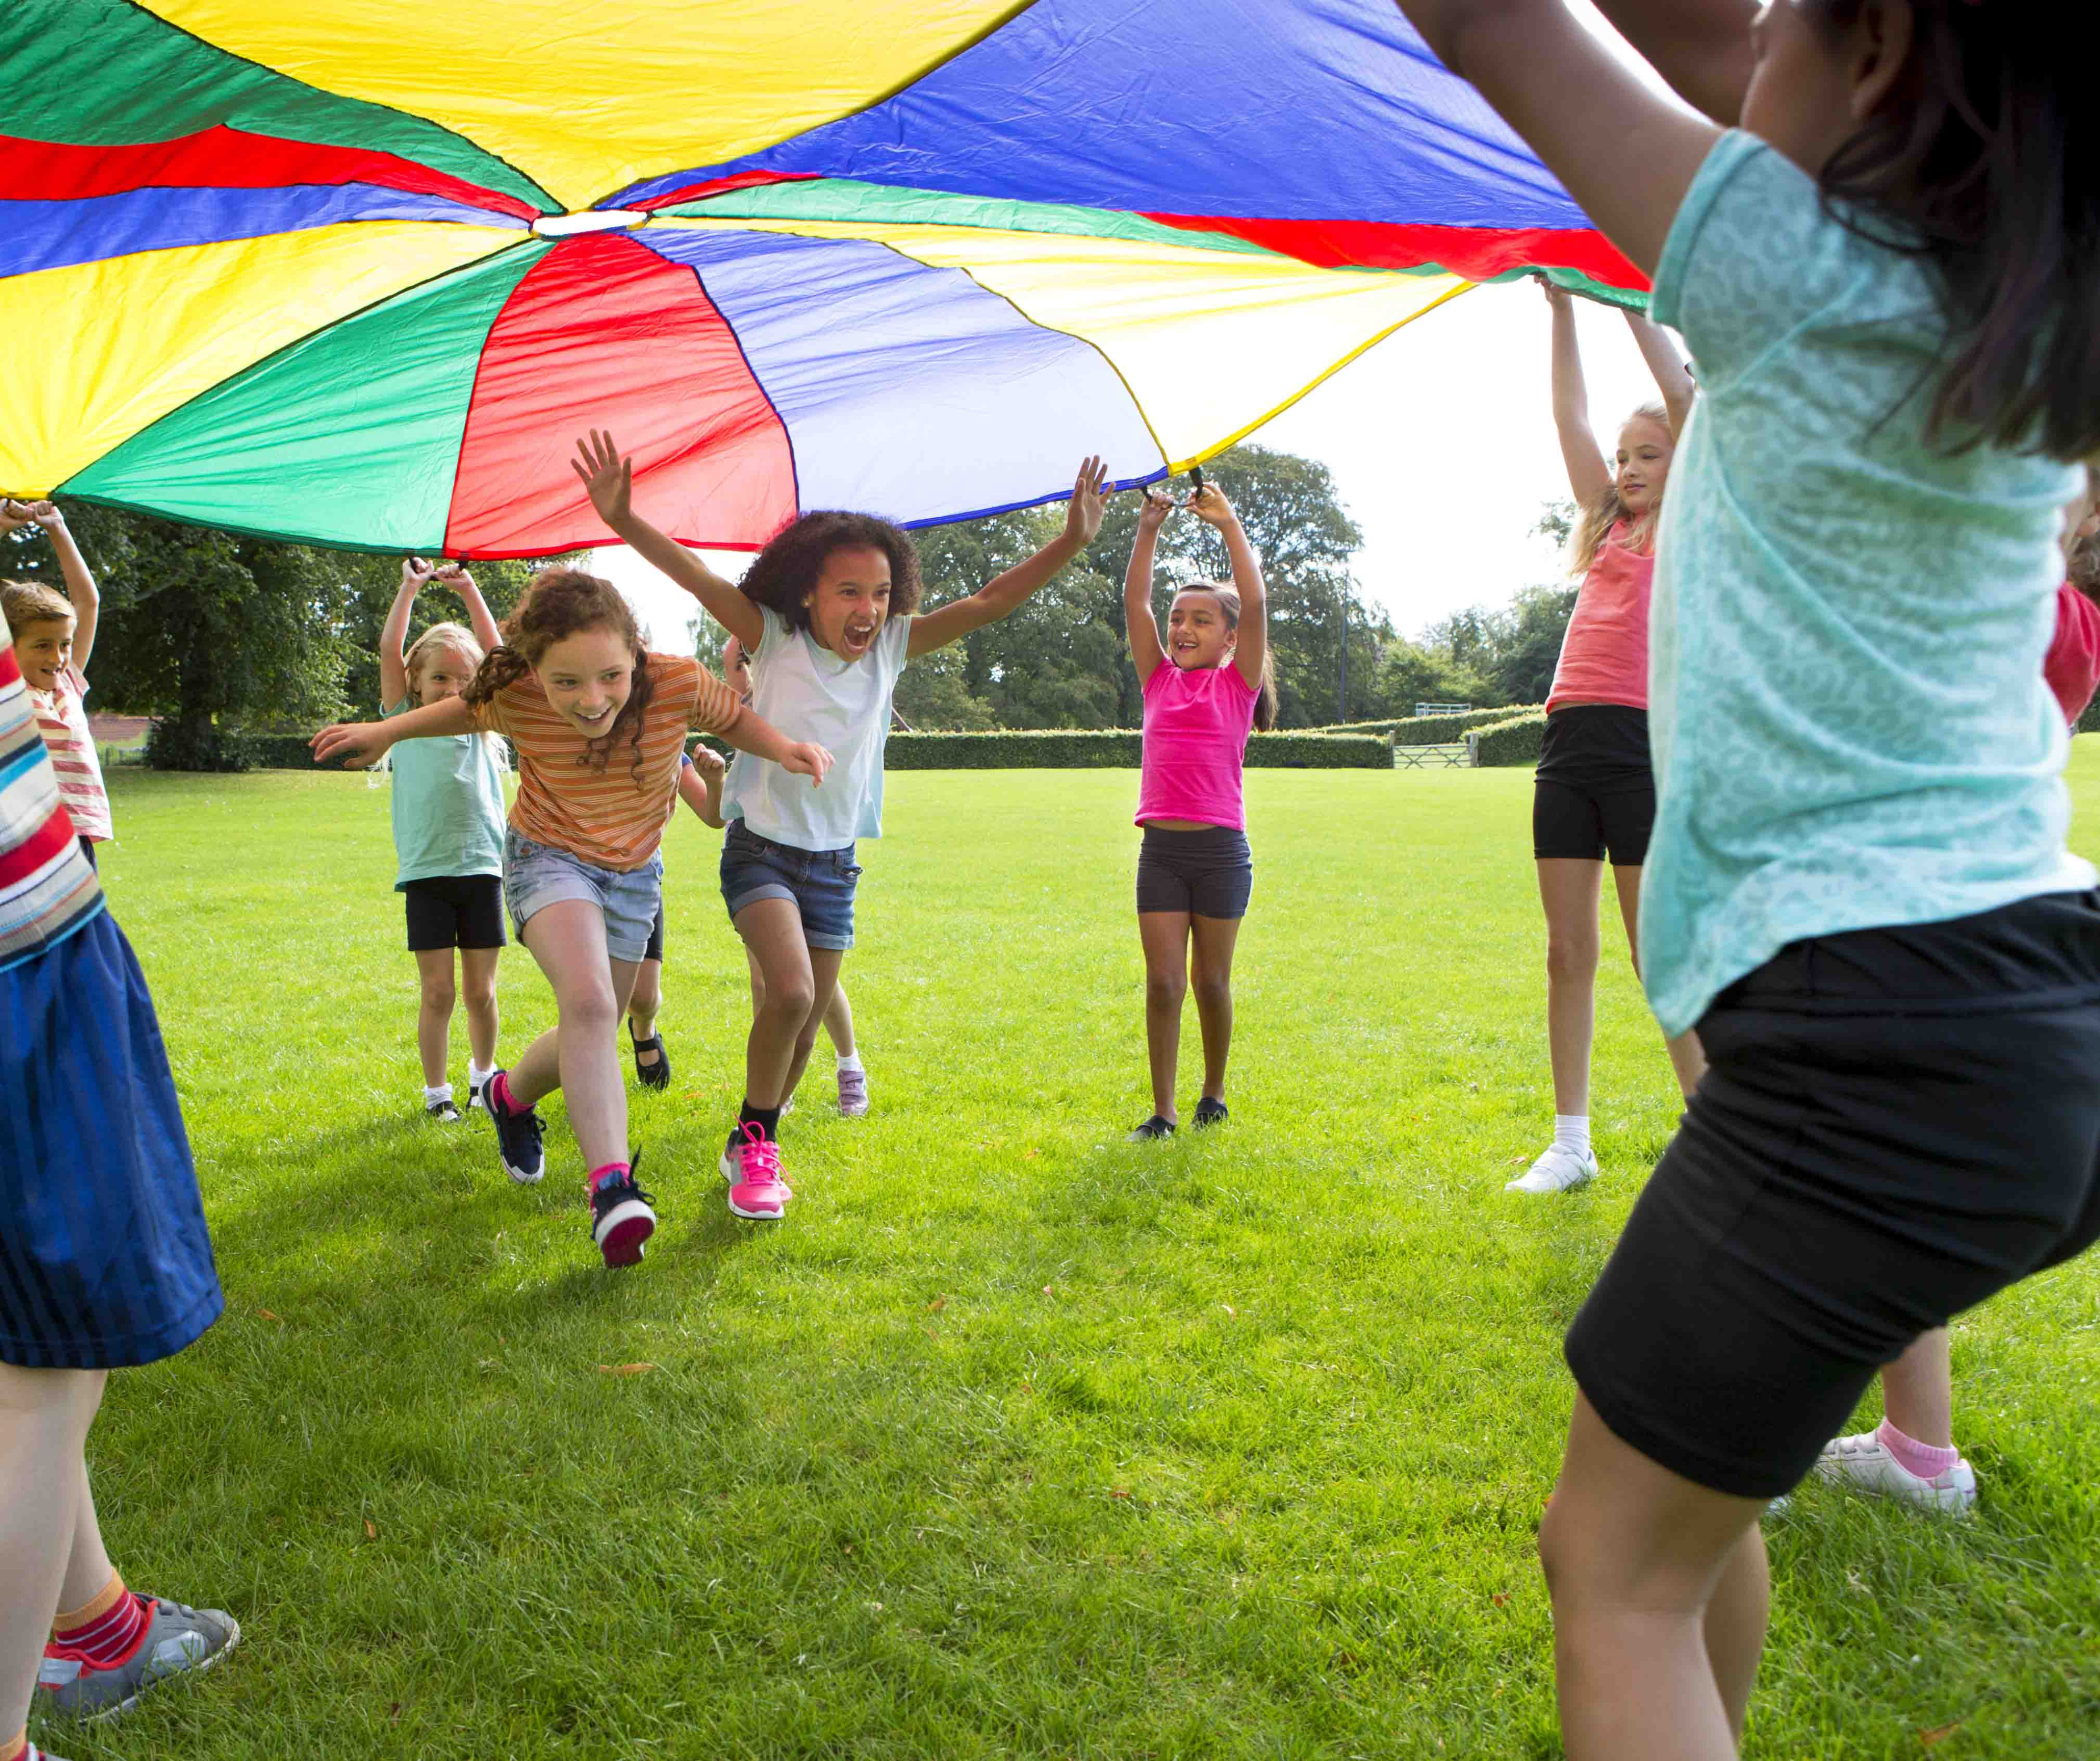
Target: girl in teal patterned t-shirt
[(1887, 270)]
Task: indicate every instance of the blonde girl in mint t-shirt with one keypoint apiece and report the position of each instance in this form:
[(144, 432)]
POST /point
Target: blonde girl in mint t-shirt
[(1206, 687), (448, 822), (828, 615)]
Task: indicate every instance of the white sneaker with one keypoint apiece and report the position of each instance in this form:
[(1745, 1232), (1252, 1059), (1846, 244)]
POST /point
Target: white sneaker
[(1560, 1169), (1864, 1462)]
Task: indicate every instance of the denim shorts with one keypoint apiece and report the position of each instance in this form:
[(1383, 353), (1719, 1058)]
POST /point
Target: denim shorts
[(820, 882), (536, 876)]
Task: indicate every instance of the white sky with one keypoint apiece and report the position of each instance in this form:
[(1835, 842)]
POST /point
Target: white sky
[(1441, 443)]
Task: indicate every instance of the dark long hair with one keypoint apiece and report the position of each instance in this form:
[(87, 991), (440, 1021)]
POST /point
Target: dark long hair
[(1986, 163), (558, 603), (1229, 602), (789, 568)]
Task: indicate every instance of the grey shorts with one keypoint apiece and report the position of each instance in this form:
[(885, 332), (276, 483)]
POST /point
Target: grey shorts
[(536, 876)]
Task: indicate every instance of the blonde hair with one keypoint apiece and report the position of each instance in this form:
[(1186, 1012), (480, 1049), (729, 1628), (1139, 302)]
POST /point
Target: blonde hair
[(1229, 602), (27, 602), (456, 636), (1607, 513)]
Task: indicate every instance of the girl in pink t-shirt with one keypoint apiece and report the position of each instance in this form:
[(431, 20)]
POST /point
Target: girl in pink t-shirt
[(1594, 796), (1205, 688)]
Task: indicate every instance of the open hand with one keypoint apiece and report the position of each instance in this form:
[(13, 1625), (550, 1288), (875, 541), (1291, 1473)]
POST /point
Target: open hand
[(1152, 515), (1090, 501), (1209, 505), (606, 478), (362, 743), (807, 758)]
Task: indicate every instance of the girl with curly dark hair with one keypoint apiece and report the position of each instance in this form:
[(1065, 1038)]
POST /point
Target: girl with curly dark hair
[(829, 615), (574, 688)]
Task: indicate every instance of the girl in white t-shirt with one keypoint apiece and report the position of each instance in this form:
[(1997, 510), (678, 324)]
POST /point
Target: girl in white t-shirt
[(827, 615)]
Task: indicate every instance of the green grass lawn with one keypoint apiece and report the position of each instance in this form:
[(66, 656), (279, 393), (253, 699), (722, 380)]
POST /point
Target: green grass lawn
[(1014, 1440)]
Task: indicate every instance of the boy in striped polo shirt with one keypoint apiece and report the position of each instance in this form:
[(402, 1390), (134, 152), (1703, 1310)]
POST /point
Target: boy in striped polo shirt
[(104, 1260)]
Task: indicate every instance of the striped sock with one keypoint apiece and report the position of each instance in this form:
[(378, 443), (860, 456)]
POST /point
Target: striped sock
[(104, 1632)]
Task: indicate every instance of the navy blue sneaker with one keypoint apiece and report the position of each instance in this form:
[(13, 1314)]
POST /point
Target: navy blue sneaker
[(623, 1218), (1209, 1112), (517, 1136), (1152, 1130)]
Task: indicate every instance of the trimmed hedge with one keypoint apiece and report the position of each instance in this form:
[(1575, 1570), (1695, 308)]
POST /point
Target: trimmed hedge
[(1516, 741), (1052, 749), (1431, 730)]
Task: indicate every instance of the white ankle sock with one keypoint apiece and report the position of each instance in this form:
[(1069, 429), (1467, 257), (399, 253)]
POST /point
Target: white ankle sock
[(476, 1078), (432, 1097), (850, 1061), (1571, 1131)]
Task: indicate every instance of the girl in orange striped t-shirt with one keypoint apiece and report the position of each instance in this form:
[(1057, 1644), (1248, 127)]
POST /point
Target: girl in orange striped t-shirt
[(599, 724)]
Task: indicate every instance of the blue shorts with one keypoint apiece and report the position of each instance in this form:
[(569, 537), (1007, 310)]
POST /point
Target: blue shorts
[(536, 876), (820, 882)]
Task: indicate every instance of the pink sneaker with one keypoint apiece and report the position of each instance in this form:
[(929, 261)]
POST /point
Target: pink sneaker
[(752, 1166)]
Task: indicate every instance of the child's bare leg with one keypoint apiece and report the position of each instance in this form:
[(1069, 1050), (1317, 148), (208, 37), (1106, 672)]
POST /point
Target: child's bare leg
[(1165, 936), (578, 1055), (433, 1016), (642, 1005), (824, 965), (44, 1420), (786, 993), (1917, 1391), (1213, 939), (838, 1021), (1687, 1057), (1568, 889), (1659, 1593), (478, 988)]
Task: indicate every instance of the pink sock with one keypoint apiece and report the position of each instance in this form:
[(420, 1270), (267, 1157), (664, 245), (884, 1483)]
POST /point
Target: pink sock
[(1919, 1458), (606, 1176), (499, 1085)]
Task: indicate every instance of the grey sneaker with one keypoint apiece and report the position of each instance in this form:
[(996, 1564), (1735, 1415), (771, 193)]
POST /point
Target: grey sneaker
[(853, 1093), (178, 1641)]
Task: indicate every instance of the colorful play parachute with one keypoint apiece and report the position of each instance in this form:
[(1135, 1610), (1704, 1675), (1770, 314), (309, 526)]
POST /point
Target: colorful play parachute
[(357, 271)]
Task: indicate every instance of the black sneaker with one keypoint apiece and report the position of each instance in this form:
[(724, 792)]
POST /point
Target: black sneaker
[(1152, 1128), (443, 1112), (1209, 1112), (656, 1075), (622, 1218), (517, 1137)]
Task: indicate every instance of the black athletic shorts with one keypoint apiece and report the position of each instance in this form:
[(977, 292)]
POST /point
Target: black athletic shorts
[(1895, 1124), (1595, 792), (655, 951), (455, 911), (1208, 873)]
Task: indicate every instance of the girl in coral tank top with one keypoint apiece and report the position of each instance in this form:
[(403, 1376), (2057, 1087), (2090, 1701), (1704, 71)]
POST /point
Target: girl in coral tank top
[(1594, 796)]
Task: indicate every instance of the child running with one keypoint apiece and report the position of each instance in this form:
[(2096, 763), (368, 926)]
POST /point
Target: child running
[(53, 636), (447, 810), (1885, 261), (1911, 1456), (1594, 796), (104, 1259), (826, 616), (1205, 690), (598, 723)]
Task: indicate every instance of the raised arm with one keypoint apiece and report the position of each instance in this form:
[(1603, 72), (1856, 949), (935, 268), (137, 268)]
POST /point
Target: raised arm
[(1138, 618), (1005, 595), (609, 480), (1211, 507), (1702, 47), (480, 619), (394, 633), (1625, 153), (79, 579), (366, 743), (1673, 378), (1589, 475)]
